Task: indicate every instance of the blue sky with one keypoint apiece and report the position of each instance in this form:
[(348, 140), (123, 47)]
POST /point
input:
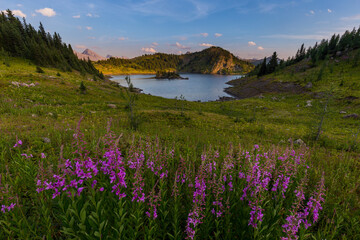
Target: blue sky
[(248, 28)]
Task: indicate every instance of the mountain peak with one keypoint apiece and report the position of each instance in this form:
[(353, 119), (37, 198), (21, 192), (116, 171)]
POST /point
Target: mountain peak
[(89, 54)]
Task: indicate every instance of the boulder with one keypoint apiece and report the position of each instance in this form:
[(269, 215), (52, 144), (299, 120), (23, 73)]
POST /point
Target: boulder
[(112, 106), (309, 85), (353, 115), (46, 140), (299, 142)]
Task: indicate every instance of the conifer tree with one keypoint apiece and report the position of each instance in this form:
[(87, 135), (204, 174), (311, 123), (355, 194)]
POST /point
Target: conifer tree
[(274, 62), (262, 70)]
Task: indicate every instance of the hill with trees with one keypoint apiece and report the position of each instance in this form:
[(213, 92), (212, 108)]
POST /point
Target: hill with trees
[(337, 46), (213, 60), (20, 39), (331, 67)]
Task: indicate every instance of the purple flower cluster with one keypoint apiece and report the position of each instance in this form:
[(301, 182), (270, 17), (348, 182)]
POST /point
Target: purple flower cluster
[(262, 178), (301, 214), (77, 175), (196, 215), (6, 196), (7, 208), (264, 175)]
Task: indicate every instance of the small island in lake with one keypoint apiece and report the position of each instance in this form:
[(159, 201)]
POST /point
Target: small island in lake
[(168, 75)]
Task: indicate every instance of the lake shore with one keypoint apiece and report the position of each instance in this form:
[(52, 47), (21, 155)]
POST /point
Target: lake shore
[(203, 87)]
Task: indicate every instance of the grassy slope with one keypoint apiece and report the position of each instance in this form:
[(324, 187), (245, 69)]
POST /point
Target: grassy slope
[(189, 125)]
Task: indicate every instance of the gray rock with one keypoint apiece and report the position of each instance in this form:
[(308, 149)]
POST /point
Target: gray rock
[(111, 106), (50, 114), (338, 53), (261, 96), (34, 115), (342, 112), (353, 115), (299, 142), (46, 140), (309, 85), (308, 103)]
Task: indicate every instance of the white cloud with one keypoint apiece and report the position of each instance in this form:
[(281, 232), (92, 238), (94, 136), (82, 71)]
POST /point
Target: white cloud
[(47, 12), (297, 37), (92, 15), (351, 18), (204, 34), (148, 50), (329, 10), (80, 46), (17, 13), (123, 38), (92, 38), (155, 44), (88, 28), (260, 48), (76, 16), (178, 45), (251, 43), (218, 34), (19, 5), (312, 12), (205, 45)]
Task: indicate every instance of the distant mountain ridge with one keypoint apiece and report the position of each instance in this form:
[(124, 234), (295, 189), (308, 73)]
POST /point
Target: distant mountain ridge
[(213, 60), (89, 54)]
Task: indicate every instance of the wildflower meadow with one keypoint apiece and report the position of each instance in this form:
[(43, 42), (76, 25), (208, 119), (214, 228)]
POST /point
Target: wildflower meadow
[(152, 191)]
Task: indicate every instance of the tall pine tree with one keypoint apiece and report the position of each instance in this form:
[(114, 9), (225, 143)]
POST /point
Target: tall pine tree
[(262, 70)]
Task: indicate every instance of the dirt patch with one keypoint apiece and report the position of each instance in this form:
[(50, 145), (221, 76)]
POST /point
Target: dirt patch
[(247, 88)]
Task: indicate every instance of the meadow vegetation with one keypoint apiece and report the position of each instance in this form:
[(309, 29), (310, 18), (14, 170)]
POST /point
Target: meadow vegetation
[(179, 137)]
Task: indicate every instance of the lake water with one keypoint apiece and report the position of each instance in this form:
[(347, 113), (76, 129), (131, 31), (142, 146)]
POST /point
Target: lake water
[(201, 87)]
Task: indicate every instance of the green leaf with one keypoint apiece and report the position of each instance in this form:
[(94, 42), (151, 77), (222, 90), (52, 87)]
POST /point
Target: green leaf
[(97, 234), (83, 215)]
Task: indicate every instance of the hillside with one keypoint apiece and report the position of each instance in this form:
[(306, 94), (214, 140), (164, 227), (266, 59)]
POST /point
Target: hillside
[(20, 39), (333, 66), (43, 110), (214, 60)]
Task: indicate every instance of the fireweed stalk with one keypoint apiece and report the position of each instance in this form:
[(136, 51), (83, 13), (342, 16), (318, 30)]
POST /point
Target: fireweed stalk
[(256, 177)]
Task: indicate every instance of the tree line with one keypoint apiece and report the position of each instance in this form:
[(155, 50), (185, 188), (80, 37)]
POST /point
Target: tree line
[(337, 44), (20, 39), (154, 62)]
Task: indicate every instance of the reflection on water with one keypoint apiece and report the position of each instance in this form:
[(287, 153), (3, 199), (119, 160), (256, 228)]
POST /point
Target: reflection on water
[(199, 86)]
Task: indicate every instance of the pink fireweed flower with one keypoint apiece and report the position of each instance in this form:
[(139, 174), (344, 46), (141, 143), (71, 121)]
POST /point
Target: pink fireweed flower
[(94, 183), (79, 190), (43, 155), (26, 156), (18, 143)]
